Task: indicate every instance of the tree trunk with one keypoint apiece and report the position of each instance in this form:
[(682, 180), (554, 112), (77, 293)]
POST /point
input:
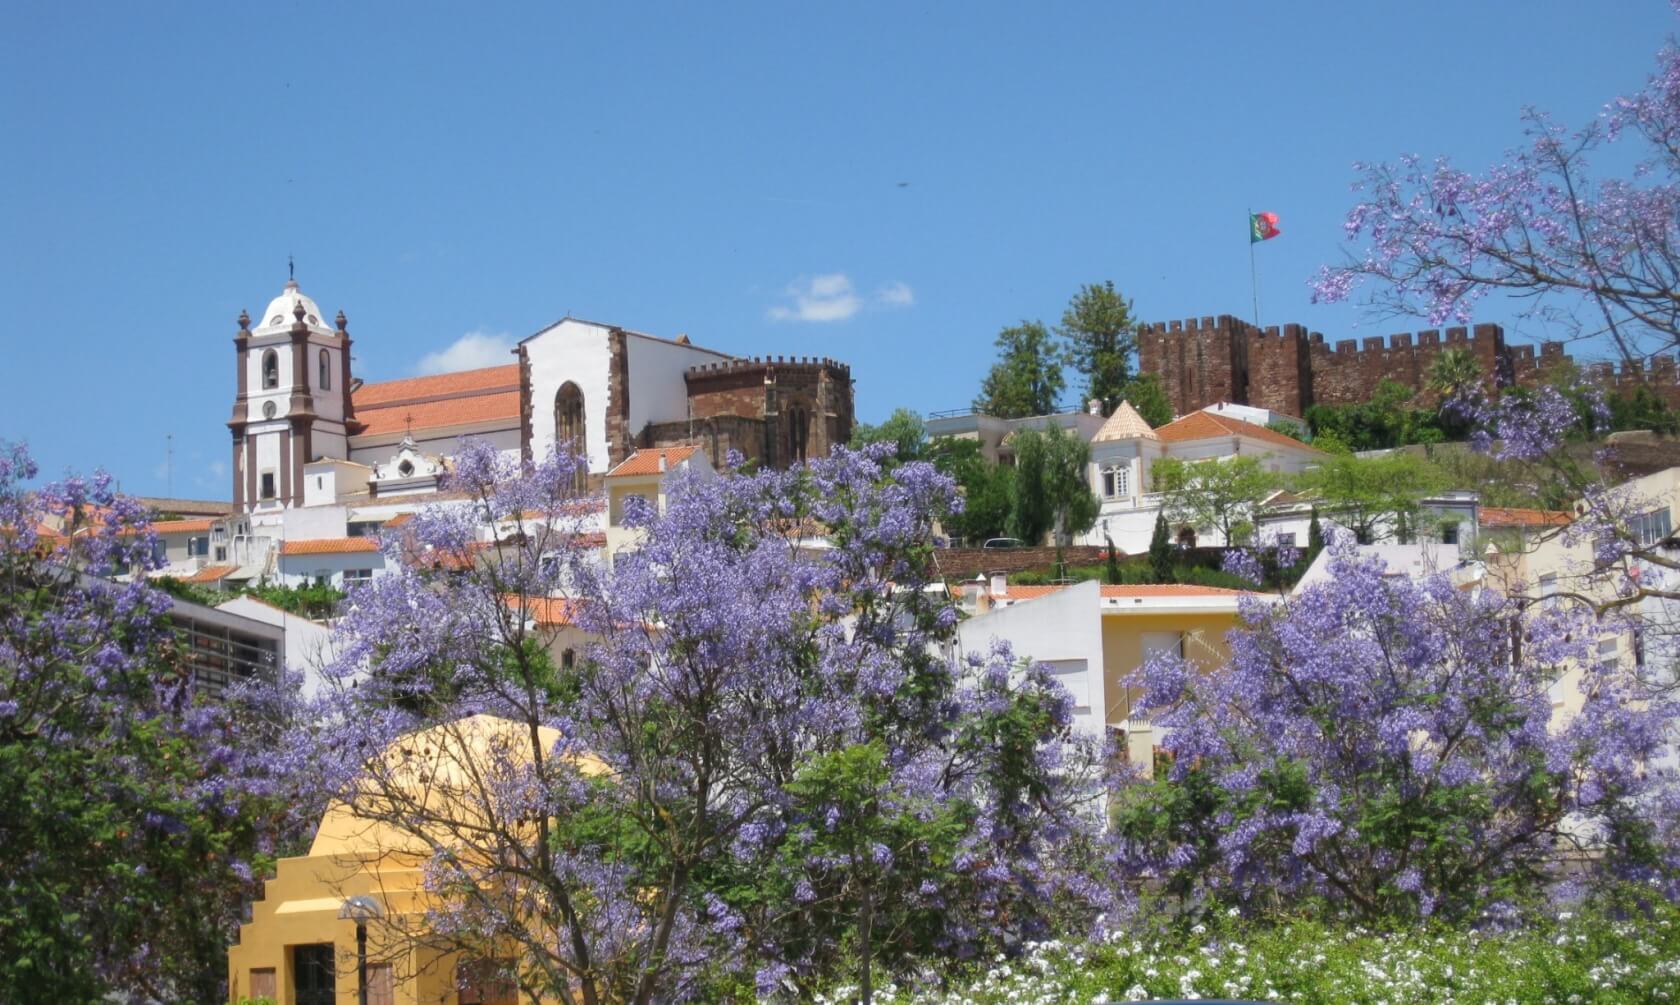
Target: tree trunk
[(866, 925)]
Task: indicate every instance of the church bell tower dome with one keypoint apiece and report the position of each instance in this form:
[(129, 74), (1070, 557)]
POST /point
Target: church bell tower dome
[(282, 312)]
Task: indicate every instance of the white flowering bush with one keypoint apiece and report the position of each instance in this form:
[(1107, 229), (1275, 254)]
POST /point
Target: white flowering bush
[(1578, 958)]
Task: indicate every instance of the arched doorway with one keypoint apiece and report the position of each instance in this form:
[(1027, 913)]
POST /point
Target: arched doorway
[(569, 431)]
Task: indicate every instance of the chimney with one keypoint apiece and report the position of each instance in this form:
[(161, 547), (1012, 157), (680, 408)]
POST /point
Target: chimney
[(662, 462), (1094, 406), (1000, 584)]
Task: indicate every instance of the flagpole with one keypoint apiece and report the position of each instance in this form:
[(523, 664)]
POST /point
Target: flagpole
[(1253, 272)]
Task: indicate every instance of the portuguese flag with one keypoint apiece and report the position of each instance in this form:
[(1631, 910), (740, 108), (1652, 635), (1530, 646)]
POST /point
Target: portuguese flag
[(1262, 227)]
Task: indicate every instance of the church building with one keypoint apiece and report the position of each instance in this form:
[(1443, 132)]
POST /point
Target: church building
[(320, 456)]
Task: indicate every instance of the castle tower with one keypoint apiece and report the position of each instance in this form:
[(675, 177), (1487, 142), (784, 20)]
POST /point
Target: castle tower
[(293, 404)]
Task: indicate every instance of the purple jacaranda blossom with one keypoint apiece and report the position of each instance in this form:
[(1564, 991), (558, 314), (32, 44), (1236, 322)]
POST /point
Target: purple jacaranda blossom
[(764, 625), (1391, 746), (139, 815)]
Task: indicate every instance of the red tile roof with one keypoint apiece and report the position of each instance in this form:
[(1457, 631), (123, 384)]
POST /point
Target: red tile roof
[(211, 574), (646, 462), (330, 546), (1206, 425), (550, 611), (445, 399), (401, 417), (490, 378), (1500, 516), (396, 521), (181, 526)]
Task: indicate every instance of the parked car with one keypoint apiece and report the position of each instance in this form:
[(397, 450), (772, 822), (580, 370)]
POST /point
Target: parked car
[(1003, 542)]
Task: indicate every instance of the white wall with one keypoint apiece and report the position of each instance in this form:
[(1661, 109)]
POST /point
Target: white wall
[(657, 390), (1063, 629), (577, 351), (302, 570), (314, 522)]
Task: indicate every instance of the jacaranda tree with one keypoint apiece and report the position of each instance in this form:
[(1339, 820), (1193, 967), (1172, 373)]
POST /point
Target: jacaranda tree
[(760, 765), (1386, 747), (136, 818)]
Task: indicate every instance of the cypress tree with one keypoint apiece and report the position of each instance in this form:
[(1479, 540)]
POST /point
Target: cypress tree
[(1315, 537), (1160, 551), (1111, 575)]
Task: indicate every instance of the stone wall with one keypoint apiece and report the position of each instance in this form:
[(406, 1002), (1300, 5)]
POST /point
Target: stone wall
[(1288, 369)]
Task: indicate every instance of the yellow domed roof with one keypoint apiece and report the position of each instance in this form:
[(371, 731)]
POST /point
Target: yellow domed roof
[(438, 773)]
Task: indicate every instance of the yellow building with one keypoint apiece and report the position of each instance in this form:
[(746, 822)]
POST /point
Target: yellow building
[(300, 949), (1093, 636)]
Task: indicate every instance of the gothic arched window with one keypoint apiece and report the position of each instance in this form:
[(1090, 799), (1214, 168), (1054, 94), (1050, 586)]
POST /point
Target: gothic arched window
[(569, 432), (271, 369), (798, 426), (326, 371)]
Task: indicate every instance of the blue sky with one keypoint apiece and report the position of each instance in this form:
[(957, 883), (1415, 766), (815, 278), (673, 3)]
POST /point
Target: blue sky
[(886, 184)]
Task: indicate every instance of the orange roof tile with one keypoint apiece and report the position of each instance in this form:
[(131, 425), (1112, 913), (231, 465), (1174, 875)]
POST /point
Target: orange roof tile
[(551, 611), (1206, 425), (402, 416), (329, 546), (396, 521), (481, 381), (180, 526), (646, 462), (211, 574), (1502, 516)]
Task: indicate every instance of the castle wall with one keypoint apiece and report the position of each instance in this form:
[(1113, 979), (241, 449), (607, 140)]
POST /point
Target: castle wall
[(1288, 369)]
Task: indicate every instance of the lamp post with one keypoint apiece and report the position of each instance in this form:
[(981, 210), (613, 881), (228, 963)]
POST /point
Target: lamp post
[(361, 909)]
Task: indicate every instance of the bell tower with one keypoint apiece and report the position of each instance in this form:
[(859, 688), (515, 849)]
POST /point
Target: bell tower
[(293, 403)]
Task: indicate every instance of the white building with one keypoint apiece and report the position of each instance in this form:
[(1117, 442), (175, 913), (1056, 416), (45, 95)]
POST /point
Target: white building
[(321, 460)]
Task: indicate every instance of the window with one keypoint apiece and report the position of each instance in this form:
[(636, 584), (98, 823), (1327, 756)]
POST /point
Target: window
[(568, 659), (354, 576), (1449, 533), (1548, 587), (262, 984), (267, 489), (326, 371), (361, 528), (1117, 481), (1286, 540), (1607, 655), (322, 577), (198, 547), (1651, 528), (798, 431), (570, 435), (382, 986), (485, 982), (270, 369), (314, 975), (221, 552)]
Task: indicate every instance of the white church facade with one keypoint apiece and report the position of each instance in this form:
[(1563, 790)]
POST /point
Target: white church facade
[(321, 460)]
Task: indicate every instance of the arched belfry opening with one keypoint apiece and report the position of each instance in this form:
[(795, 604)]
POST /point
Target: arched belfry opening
[(569, 432)]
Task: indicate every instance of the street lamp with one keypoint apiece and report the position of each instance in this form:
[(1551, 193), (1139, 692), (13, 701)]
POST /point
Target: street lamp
[(361, 909)]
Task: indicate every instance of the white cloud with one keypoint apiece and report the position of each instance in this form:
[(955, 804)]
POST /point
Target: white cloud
[(832, 297), (470, 352), (895, 294), (827, 297)]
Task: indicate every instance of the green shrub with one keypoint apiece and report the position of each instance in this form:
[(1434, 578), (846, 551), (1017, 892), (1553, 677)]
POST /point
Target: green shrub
[(1595, 955)]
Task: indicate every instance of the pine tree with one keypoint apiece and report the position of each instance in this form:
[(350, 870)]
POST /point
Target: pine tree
[(1161, 552)]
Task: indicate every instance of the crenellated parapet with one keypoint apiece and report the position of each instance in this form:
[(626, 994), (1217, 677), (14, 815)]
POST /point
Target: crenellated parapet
[(1288, 369)]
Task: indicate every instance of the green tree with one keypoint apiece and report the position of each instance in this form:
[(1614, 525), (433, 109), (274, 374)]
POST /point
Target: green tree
[(1315, 537), (988, 488), (1100, 336), (1149, 398), (904, 429), (1027, 379), (1454, 373), (1642, 409), (1161, 551), (1215, 494), (1052, 489), (1367, 493)]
